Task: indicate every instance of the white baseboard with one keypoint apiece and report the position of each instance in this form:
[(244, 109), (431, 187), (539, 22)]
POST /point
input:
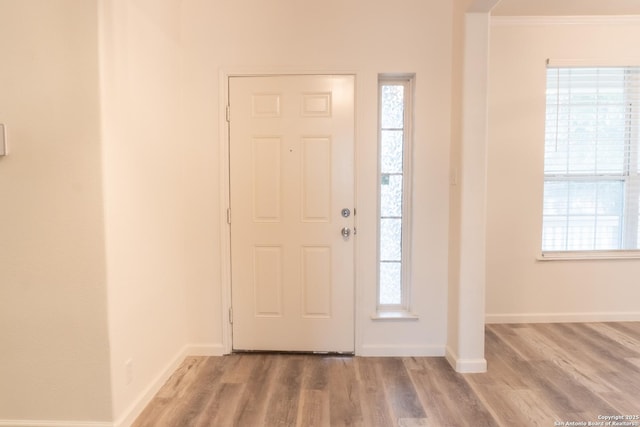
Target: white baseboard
[(145, 397), (136, 408), (206, 350), (401, 351), (562, 317), (45, 423), (138, 405), (465, 366)]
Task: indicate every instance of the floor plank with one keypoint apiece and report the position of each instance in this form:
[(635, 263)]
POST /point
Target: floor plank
[(376, 413), (344, 393), (399, 390), (253, 403), (538, 375), (282, 409)]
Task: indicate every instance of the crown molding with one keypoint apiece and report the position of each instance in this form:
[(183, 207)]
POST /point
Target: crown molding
[(499, 21)]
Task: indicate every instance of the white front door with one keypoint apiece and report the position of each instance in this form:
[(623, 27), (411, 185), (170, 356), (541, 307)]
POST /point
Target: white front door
[(292, 197)]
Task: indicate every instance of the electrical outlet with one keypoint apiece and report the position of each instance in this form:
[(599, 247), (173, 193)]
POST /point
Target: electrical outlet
[(128, 369), (453, 176), (3, 140)]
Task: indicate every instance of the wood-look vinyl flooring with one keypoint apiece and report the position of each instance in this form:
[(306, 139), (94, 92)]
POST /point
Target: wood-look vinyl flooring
[(539, 375)]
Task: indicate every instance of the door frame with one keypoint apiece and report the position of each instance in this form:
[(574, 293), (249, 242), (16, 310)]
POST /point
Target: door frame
[(225, 197)]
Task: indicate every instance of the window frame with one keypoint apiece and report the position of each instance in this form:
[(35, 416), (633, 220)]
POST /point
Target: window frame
[(401, 310), (630, 178)]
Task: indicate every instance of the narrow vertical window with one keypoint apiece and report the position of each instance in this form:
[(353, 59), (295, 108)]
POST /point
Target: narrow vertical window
[(394, 193)]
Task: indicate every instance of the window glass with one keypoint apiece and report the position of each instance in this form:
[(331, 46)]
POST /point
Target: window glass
[(591, 159), (393, 193)]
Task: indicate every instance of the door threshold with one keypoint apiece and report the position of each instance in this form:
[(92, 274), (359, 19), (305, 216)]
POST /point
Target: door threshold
[(290, 352)]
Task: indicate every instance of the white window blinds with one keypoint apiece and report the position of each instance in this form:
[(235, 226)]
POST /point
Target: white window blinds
[(591, 167)]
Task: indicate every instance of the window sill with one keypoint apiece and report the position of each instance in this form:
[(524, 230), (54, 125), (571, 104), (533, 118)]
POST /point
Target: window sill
[(394, 315), (588, 255)]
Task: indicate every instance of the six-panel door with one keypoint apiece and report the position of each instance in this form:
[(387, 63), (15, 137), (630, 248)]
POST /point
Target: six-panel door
[(291, 176)]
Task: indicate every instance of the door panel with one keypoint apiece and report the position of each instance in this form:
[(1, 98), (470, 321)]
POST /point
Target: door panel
[(291, 174)]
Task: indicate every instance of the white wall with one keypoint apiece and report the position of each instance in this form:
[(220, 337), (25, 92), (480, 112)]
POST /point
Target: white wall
[(111, 245), (54, 354), (362, 37), (144, 187), (465, 344), (519, 288), (115, 149), (455, 199)]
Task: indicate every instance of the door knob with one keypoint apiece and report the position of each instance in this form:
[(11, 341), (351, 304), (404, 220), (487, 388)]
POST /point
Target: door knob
[(346, 232)]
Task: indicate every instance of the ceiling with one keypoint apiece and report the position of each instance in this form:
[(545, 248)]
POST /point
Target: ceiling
[(566, 7)]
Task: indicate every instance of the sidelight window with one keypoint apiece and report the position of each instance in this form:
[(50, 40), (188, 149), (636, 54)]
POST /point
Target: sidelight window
[(394, 192)]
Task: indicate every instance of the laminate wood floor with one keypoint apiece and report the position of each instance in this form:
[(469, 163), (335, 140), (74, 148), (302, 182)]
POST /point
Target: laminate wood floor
[(539, 375)]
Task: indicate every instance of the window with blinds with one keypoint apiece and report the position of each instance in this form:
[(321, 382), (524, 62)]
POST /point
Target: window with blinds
[(591, 167)]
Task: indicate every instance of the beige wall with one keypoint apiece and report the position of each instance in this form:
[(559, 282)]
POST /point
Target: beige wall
[(453, 262), (145, 213), (150, 217), (519, 287), (361, 37), (93, 220), (111, 195), (468, 170), (54, 353)]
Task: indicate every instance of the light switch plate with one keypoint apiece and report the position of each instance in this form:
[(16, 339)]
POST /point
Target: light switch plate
[(3, 141)]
